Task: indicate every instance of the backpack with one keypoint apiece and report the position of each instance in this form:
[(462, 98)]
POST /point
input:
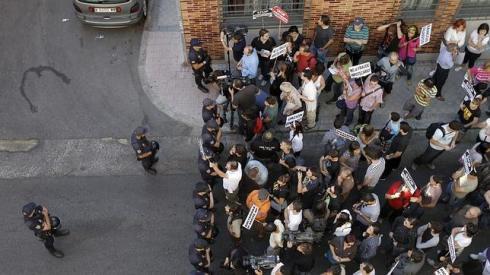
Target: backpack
[(429, 133)]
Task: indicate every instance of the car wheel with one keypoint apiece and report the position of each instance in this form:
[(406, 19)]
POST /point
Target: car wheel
[(145, 8)]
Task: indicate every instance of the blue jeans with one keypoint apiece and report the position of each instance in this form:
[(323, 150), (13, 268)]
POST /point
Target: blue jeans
[(321, 55)]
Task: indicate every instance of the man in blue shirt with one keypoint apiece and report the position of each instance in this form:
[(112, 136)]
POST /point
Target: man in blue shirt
[(249, 63)]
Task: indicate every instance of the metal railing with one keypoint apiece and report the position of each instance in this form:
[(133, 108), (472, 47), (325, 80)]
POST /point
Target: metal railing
[(474, 9), (236, 12), (418, 9)]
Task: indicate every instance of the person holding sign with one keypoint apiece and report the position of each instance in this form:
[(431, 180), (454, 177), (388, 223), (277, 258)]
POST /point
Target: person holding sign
[(260, 198), (461, 185), (264, 44), (407, 50), (398, 198), (340, 75)]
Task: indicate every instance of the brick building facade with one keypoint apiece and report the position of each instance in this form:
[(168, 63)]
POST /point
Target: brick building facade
[(203, 19)]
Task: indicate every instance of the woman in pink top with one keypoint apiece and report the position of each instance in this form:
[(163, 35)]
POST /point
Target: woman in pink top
[(480, 74), (407, 50)]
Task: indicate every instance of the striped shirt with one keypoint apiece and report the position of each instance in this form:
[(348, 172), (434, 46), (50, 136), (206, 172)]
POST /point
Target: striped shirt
[(350, 33), (423, 94), (480, 75)]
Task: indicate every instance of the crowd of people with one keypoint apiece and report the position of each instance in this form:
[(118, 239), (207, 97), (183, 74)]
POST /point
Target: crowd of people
[(332, 208)]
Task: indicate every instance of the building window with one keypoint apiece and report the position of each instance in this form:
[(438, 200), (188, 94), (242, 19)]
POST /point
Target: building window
[(418, 9), (239, 12), (474, 9)]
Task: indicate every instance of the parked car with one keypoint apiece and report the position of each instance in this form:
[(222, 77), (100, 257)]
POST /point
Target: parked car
[(110, 13)]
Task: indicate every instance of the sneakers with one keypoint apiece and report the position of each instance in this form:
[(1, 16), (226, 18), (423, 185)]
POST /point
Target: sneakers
[(56, 253), (203, 89), (458, 68)]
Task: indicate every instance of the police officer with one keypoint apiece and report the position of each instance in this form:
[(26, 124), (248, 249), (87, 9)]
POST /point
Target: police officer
[(211, 136), (204, 225), (45, 226), (210, 111), (203, 196), (205, 156), (201, 64), (200, 255), (145, 150)]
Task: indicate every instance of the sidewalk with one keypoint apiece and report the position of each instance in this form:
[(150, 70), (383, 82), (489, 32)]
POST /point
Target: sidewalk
[(169, 82)]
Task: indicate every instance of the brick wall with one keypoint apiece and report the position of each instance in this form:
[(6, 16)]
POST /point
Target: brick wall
[(375, 13), (200, 19)]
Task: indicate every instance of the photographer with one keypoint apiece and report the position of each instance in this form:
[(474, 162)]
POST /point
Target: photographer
[(237, 40), (300, 259), (243, 99), (200, 63), (45, 227)]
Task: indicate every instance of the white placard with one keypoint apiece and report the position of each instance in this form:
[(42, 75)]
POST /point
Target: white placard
[(393, 267), (452, 250), (468, 162), (441, 271), (425, 33), (294, 117), (409, 182), (345, 135), (251, 217), (262, 13), (470, 91), (279, 50), (360, 70)]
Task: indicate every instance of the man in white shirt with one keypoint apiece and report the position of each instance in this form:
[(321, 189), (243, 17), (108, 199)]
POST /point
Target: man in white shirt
[(309, 96), (231, 179), (376, 168), (443, 139), (445, 62)]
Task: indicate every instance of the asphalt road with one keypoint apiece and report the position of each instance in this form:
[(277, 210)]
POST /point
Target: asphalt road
[(67, 80)]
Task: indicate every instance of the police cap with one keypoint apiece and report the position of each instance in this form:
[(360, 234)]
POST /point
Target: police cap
[(140, 130), (202, 215), (28, 208), (200, 243), (195, 42), (201, 187), (212, 124)]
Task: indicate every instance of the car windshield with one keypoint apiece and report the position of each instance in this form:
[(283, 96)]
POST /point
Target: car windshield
[(104, 1)]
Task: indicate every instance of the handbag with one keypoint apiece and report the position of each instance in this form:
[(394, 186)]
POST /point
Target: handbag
[(259, 125)]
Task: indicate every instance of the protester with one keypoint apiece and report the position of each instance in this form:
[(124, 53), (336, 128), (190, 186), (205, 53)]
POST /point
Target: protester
[(445, 62), (477, 44), (393, 34), (356, 38), (396, 149), (428, 235), (431, 192), (415, 105), (350, 95), (389, 67), (248, 65), (264, 44), (408, 47), (309, 95), (339, 72), (369, 245), (323, 38), (371, 98), (456, 34)]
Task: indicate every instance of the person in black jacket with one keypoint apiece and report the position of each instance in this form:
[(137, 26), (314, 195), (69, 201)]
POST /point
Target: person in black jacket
[(300, 258), (203, 196), (145, 150)]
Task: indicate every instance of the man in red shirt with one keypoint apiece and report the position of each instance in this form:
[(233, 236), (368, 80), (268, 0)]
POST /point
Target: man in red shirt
[(398, 197)]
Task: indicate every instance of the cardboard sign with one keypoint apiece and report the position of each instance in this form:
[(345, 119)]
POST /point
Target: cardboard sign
[(452, 250), (468, 162), (280, 14), (470, 91), (425, 33), (345, 135), (409, 182), (393, 267), (360, 70), (279, 50), (251, 217), (294, 117), (262, 13), (441, 271)]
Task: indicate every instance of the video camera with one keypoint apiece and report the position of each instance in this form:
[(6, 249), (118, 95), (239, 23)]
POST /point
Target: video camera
[(296, 237), (225, 80), (265, 261)]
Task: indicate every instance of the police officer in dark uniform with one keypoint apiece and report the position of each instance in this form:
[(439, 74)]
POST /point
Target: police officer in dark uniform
[(204, 225), (201, 64), (211, 136), (45, 226), (200, 255), (145, 150), (210, 111), (205, 156), (203, 196)]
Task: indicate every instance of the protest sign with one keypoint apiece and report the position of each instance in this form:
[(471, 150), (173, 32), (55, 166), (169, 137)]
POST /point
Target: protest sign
[(280, 14), (441, 271), (409, 182), (294, 117), (262, 13), (393, 267), (251, 217), (425, 33), (470, 91), (468, 162), (360, 70), (345, 135), (279, 50), (452, 250)]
